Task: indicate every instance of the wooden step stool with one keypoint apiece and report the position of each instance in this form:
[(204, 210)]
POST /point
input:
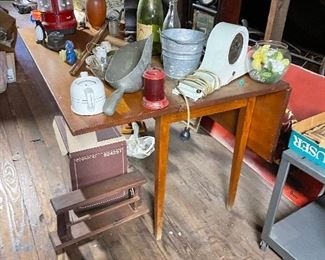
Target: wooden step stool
[(90, 224)]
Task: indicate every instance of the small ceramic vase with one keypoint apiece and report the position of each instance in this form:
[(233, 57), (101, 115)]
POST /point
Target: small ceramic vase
[(96, 12)]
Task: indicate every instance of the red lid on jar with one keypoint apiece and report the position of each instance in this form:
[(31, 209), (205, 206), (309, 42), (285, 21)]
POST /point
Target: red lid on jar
[(154, 74)]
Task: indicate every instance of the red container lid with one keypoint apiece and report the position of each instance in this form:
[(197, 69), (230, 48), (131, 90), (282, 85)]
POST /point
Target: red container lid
[(154, 74)]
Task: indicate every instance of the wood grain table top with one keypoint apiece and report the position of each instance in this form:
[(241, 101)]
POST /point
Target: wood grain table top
[(56, 75)]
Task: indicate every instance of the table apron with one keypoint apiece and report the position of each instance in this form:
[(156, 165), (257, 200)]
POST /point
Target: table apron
[(205, 111)]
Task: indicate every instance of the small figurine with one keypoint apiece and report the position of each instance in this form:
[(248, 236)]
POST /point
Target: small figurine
[(40, 32), (70, 54)]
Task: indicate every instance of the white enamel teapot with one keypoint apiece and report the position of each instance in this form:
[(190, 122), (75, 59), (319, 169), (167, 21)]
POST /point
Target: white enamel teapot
[(87, 95)]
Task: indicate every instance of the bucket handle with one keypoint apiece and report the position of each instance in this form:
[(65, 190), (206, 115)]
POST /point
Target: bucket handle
[(179, 42)]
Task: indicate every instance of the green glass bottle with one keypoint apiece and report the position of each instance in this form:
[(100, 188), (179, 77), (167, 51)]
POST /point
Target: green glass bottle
[(150, 19)]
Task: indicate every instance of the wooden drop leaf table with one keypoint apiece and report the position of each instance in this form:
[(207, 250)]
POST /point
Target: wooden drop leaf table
[(256, 112)]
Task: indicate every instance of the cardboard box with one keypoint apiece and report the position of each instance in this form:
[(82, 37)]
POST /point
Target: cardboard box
[(3, 72), (93, 157), (8, 25), (305, 146), (7, 68)]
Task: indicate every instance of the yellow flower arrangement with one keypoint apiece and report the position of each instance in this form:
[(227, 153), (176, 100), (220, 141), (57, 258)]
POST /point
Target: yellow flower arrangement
[(268, 63)]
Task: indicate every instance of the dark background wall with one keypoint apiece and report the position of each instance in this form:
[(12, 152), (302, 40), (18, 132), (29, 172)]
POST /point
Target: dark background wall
[(305, 25)]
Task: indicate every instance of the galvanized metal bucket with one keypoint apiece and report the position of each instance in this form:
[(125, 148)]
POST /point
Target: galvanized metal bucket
[(181, 51)]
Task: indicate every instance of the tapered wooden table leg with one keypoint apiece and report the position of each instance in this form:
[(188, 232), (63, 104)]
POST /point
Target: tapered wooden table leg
[(161, 161), (242, 131)]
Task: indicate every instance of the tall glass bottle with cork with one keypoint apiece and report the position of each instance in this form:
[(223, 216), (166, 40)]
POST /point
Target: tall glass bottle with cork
[(172, 19), (149, 21)]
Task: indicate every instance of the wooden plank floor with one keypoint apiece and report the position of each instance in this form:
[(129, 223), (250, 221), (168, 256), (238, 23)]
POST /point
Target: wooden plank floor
[(197, 224)]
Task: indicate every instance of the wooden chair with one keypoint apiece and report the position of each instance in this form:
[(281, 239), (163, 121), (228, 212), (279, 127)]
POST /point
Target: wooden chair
[(90, 224)]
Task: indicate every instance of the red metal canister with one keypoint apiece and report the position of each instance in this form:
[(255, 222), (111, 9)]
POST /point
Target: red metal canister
[(154, 95)]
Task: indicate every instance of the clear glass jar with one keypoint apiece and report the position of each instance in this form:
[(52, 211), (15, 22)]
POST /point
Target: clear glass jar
[(268, 61)]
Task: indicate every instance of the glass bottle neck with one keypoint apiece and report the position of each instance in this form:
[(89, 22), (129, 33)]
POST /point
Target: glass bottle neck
[(172, 6), (172, 3), (172, 20)]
